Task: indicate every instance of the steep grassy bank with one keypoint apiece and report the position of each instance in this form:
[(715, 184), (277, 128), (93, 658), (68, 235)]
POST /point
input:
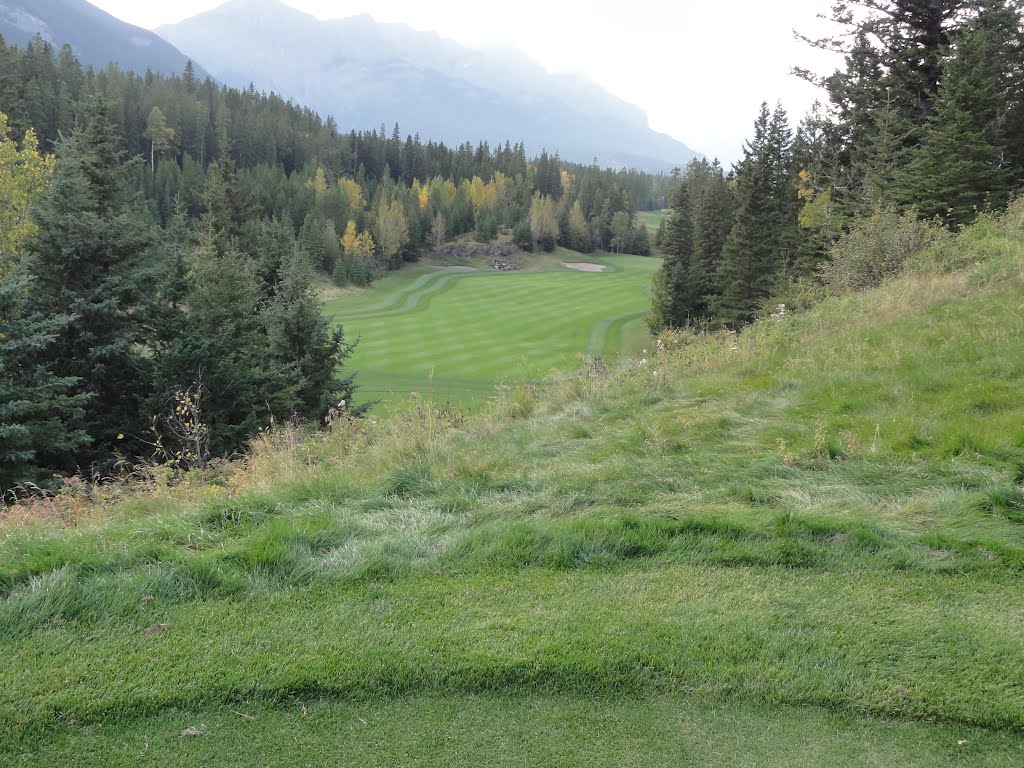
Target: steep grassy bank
[(804, 545)]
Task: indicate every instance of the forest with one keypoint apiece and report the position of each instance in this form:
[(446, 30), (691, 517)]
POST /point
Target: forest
[(922, 131), (162, 235), (161, 239)]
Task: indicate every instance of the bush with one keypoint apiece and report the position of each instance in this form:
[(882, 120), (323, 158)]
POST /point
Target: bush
[(522, 236), (876, 247), (486, 228)]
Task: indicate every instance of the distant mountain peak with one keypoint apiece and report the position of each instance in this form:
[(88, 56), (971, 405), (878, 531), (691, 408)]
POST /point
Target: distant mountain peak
[(95, 36), (365, 72)]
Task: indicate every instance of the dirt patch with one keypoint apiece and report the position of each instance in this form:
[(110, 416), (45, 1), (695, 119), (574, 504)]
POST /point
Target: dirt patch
[(583, 266), (457, 269)]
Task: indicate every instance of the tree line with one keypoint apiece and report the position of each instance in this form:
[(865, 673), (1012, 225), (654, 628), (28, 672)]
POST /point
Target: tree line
[(925, 119), (296, 166)]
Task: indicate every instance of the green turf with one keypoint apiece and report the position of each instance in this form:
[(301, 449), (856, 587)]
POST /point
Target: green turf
[(802, 546), (453, 336), (652, 219), (535, 730)]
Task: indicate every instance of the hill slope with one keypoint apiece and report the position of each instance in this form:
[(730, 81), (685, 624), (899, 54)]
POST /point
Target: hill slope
[(96, 37), (802, 546), (367, 73)]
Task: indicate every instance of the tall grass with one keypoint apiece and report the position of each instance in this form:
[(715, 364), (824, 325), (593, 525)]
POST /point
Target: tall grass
[(824, 510)]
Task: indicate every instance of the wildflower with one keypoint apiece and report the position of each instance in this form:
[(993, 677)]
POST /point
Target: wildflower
[(120, 435)]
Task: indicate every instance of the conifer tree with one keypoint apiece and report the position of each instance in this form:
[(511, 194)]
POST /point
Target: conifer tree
[(222, 348), (89, 261), (960, 167), (40, 410), (758, 247), (712, 222), (672, 302), (887, 93), (302, 343)]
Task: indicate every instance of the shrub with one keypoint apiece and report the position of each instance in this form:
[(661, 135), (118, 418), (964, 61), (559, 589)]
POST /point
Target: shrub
[(522, 236), (877, 247)]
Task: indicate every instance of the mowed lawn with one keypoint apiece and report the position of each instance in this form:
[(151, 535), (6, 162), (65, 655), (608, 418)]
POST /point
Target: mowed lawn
[(455, 335), (652, 219)]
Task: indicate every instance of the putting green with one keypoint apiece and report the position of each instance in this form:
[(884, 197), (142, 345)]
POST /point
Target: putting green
[(455, 335)]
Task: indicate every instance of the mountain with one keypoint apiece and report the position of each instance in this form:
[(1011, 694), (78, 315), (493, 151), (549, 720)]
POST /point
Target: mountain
[(366, 73), (96, 37)]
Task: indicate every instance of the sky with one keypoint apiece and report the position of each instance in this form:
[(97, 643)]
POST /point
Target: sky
[(699, 68)]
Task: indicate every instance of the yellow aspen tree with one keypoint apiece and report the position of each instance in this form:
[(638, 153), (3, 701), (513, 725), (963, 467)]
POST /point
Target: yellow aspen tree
[(500, 183), (566, 181), (444, 191), (365, 246), (349, 240), (353, 193), (578, 227), (543, 221), (320, 183), (160, 136), (392, 230), (24, 176)]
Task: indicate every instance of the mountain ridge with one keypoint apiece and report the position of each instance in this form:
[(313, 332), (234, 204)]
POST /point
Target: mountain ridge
[(366, 73), (95, 36)]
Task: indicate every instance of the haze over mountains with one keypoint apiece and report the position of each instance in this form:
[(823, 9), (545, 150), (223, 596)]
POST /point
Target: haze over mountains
[(95, 36), (367, 73)]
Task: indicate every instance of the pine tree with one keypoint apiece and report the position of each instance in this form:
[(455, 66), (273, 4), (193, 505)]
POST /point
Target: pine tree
[(960, 167), (89, 261), (759, 245), (887, 93), (39, 409), (712, 222), (222, 347), (671, 295), (302, 342)]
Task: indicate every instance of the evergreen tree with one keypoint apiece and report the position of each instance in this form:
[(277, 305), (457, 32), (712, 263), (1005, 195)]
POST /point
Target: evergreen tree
[(222, 348), (659, 236), (712, 222), (39, 409), (886, 96), (758, 247), (302, 343), (89, 260), (960, 169), (641, 240), (673, 301)]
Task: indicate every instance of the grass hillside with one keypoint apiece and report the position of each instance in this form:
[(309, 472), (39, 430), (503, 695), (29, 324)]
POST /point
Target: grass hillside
[(454, 335), (802, 546)]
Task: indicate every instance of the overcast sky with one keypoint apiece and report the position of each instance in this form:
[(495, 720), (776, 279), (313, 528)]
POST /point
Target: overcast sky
[(698, 68)]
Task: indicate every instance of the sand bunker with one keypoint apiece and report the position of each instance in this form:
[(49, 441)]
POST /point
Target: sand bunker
[(457, 269), (583, 266)]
